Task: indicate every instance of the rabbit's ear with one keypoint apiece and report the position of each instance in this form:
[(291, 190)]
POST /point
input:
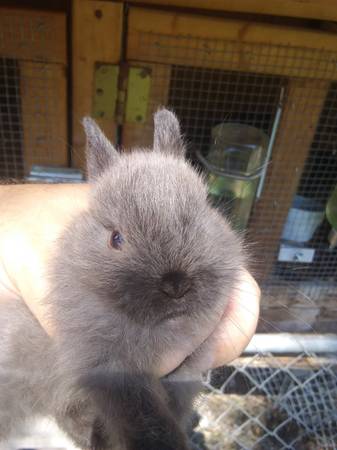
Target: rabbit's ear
[(167, 135), (99, 150)]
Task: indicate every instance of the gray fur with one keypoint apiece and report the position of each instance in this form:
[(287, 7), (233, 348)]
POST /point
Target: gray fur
[(105, 153), (167, 133), (111, 313)]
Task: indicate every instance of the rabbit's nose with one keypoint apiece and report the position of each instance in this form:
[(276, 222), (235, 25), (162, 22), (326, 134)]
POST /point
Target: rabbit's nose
[(175, 284)]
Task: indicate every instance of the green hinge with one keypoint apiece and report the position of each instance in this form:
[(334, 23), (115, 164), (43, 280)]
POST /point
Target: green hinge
[(106, 90), (138, 92)]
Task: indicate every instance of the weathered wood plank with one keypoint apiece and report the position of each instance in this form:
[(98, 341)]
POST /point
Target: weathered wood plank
[(33, 35)]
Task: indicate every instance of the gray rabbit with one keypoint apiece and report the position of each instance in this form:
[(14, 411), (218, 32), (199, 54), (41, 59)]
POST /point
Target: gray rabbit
[(148, 264)]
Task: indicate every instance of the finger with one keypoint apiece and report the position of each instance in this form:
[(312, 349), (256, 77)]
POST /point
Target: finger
[(239, 321)]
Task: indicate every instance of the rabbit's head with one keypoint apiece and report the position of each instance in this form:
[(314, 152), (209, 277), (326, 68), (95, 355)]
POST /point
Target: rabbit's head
[(150, 244)]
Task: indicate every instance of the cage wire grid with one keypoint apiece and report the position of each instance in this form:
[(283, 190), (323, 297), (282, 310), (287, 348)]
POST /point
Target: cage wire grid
[(204, 96), (286, 407), (29, 93), (264, 401), (11, 160)]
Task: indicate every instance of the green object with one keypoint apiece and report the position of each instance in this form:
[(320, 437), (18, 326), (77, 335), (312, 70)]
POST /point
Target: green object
[(331, 215), (234, 165), (235, 196), (331, 209), (138, 92), (106, 88)]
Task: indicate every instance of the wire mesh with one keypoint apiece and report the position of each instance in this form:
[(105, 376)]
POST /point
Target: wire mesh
[(260, 402), (267, 402), (11, 152), (211, 82)]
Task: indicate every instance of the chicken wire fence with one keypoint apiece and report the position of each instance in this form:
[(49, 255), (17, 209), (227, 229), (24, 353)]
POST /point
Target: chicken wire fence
[(258, 402), (268, 402)]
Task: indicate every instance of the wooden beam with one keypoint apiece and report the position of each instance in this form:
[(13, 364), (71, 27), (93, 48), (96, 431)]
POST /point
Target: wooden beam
[(96, 37), (192, 40), (33, 35), (311, 9), (302, 108), (43, 102)]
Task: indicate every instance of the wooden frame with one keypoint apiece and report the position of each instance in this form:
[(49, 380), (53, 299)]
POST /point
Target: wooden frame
[(26, 37), (96, 38)]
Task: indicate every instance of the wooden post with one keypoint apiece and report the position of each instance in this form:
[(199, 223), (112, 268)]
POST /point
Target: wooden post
[(96, 38)]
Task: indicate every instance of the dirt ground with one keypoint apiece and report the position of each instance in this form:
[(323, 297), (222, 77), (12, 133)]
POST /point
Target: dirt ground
[(233, 422)]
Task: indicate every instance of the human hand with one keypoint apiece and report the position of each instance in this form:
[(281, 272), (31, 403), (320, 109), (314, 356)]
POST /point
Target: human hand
[(32, 218), (239, 322), (229, 338)]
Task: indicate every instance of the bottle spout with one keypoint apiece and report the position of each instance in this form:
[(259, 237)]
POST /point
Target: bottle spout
[(332, 237)]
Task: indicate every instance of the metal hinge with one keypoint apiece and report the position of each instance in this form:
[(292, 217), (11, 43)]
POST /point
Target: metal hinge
[(121, 93), (138, 93)]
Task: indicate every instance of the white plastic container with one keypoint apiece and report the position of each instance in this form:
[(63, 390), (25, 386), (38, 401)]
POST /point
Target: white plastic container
[(303, 219)]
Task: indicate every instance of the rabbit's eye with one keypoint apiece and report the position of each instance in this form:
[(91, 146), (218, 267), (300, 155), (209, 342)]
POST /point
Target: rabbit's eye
[(116, 240)]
